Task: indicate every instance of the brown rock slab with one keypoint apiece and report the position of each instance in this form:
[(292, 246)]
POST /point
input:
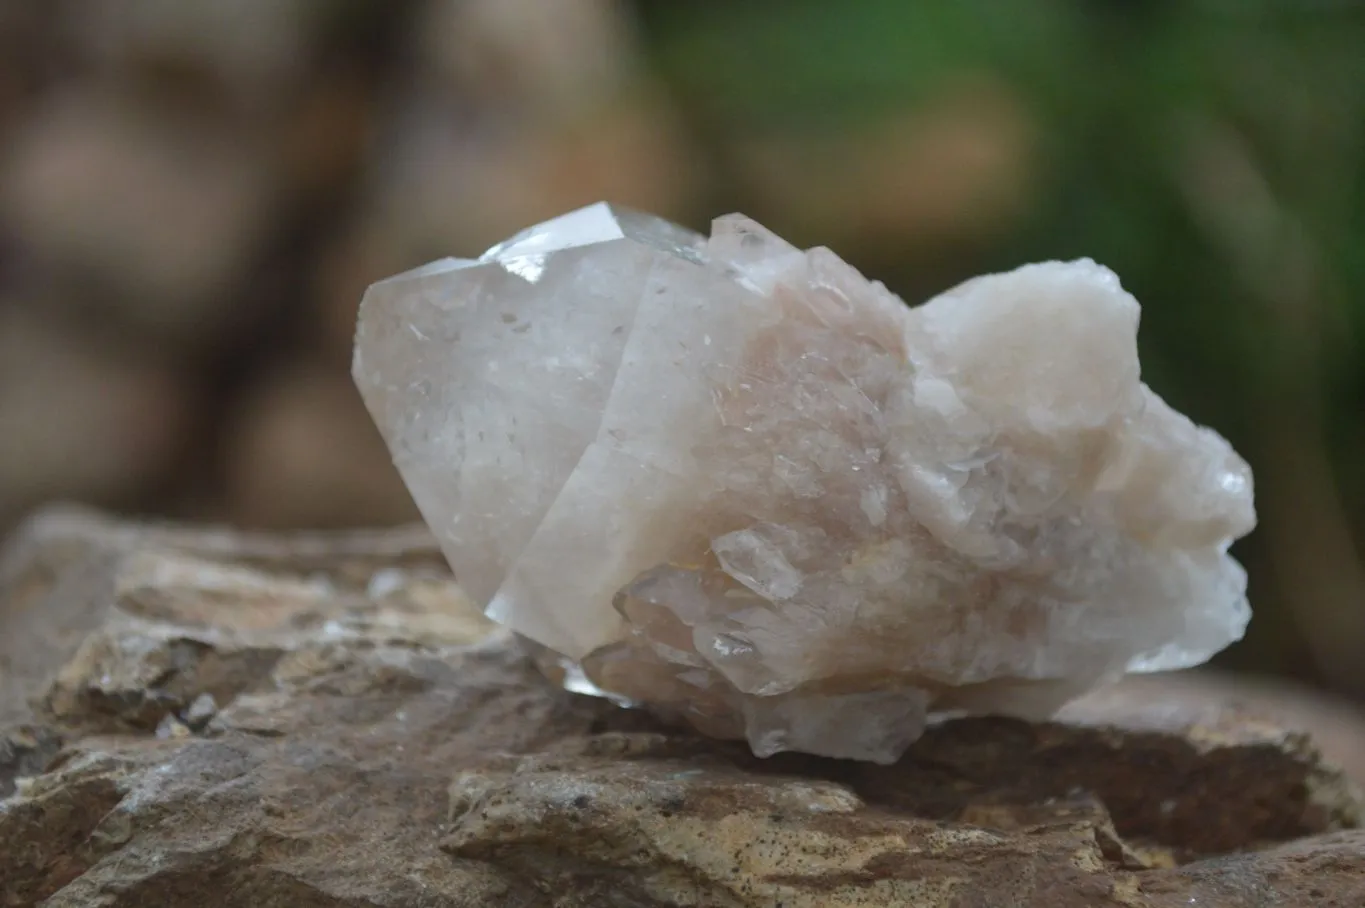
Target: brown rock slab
[(197, 717), (1202, 697)]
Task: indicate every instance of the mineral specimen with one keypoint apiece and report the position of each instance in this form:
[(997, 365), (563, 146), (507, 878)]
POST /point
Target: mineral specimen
[(740, 484)]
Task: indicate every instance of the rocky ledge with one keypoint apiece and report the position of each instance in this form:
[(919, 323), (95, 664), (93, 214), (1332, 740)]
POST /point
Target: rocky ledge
[(196, 717)]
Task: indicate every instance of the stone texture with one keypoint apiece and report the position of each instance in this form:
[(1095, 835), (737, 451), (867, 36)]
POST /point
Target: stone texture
[(374, 741), (744, 485), (1337, 725)]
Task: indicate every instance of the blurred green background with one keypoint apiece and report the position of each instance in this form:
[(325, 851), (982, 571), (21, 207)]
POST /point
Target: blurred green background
[(194, 194)]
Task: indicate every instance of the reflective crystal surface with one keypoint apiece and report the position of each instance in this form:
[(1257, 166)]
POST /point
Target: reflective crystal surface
[(741, 484)]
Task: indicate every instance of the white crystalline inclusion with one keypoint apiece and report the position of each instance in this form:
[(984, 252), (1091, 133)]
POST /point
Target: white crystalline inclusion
[(739, 483)]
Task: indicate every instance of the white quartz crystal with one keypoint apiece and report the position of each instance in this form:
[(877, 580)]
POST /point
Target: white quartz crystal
[(739, 483)]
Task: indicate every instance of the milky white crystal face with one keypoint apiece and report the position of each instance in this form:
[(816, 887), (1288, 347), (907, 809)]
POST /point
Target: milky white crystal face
[(740, 483)]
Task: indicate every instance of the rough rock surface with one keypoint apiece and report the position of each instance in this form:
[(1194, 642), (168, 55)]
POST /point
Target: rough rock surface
[(191, 717)]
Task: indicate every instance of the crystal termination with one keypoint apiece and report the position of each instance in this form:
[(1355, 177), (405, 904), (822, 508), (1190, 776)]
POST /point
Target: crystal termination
[(742, 485)]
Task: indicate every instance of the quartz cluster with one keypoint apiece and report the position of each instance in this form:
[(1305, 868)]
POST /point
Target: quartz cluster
[(740, 484)]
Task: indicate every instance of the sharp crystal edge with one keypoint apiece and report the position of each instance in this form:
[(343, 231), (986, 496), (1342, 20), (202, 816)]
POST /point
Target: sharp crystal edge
[(742, 485)]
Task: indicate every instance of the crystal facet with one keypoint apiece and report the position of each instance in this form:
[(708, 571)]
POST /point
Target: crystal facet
[(741, 484)]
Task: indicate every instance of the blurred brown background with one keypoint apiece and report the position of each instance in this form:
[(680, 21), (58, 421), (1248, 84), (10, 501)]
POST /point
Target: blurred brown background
[(194, 194)]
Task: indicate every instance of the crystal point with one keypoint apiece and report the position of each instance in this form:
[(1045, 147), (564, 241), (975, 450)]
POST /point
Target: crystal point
[(739, 483)]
